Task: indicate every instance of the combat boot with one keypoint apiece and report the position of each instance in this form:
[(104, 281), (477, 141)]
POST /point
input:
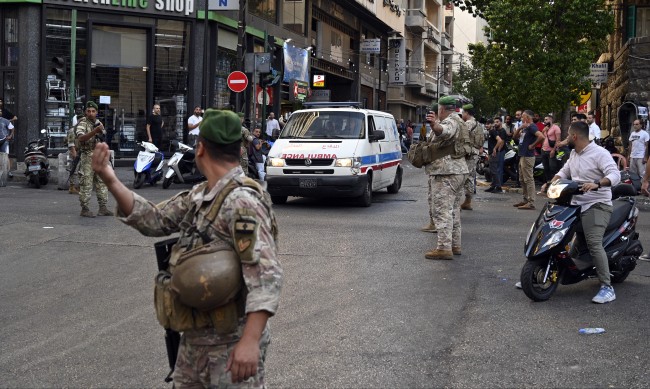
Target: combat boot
[(429, 228), (439, 254), (103, 211), (85, 212), (73, 189), (467, 205)]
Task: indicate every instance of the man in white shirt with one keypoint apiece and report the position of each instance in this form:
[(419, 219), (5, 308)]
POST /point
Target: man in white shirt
[(594, 130), (638, 151), (193, 123), (271, 124), (595, 167)]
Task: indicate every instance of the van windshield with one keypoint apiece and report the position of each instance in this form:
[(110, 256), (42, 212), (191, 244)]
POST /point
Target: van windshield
[(325, 125)]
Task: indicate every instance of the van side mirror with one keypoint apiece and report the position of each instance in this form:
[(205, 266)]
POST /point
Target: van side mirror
[(377, 135)]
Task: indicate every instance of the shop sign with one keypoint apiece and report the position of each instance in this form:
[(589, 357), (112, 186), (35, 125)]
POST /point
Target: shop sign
[(299, 90), (223, 5), (320, 95), (371, 46), (296, 64), (153, 7), (319, 81), (598, 73), (397, 61), (260, 96)]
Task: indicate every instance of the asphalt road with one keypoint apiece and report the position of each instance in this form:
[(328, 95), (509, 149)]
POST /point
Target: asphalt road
[(361, 306)]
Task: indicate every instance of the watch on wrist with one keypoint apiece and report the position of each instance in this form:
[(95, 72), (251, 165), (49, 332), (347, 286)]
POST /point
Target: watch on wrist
[(597, 182)]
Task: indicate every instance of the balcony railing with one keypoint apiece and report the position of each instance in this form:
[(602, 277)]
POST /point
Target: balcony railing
[(415, 78), (415, 20)]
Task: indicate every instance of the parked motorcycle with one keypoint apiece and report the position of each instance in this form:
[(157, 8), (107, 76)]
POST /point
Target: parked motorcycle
[(482, 164), (37, 166), (181, 168), (548, 243), (148, 166)]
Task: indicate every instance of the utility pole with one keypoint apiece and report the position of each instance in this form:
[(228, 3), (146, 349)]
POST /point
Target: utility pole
[(241, 41)]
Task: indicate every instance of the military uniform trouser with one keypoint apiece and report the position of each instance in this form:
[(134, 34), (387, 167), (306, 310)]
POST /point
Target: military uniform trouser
[(594, 223), (469, 181), (87, 180), (446, 192), (204, 366)]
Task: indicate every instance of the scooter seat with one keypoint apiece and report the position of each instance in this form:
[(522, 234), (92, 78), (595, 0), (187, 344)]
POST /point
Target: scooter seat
[(620, 211)]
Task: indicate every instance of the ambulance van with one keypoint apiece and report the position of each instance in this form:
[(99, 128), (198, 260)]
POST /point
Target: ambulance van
[(335, 150)]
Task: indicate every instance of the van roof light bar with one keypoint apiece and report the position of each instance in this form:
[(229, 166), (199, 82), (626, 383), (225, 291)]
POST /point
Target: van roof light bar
[(331, 104)]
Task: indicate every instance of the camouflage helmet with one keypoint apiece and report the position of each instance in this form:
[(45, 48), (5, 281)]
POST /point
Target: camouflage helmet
[(208, 278)]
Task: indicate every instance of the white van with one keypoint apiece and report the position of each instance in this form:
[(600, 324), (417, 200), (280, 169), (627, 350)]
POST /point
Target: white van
[(335, 150)]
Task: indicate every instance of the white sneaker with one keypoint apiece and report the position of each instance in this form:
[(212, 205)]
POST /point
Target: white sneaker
[(518, 285), (645, 257), (605, 295)]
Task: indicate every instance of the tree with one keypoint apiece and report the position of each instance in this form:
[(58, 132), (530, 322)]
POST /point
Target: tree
[(468, 82), (540, 51)]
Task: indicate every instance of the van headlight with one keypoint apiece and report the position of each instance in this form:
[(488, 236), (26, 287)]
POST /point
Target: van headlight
[(555, 238), (276, 162), (348, 162)]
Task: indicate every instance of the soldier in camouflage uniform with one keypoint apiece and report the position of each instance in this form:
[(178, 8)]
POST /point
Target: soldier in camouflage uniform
[(73, 155), (446, 178), (246, 139), (477, 137), (87, 130), (207, 356)]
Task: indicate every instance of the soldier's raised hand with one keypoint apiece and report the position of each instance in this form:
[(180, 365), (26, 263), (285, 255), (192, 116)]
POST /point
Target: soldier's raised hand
[(101, 161)]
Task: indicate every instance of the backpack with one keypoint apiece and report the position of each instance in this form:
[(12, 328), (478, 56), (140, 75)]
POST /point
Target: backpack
[(477, 136), (459, 146), (462, 141)]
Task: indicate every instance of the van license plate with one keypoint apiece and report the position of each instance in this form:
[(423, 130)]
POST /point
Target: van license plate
[(33, 168), (307, 183)]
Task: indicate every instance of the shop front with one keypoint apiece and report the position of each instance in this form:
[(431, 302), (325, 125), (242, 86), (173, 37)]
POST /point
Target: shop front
[(126, 56)]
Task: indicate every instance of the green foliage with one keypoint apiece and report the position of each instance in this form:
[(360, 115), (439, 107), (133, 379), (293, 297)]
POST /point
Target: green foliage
[(468, 82), (540, 51)]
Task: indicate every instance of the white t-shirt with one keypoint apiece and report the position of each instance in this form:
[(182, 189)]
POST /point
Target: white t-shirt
[(594, 131), (272, 125), (638, 140), (192, 120)]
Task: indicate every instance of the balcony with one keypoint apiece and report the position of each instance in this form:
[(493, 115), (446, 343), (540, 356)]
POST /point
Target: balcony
[(431, 38), (415, 78), (430, 84), (416, 20), (445, 42)]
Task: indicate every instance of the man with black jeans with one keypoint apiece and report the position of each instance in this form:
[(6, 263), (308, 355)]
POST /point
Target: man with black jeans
[(155, 125), (496, 151)]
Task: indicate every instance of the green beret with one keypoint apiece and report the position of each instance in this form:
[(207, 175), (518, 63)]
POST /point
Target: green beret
[(220, 127), (91, 104), (467, 107), (240, 114), (447, 100)]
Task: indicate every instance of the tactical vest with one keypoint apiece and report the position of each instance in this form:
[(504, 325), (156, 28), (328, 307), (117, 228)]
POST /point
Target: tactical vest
[(459, 146), (477, 137), (203, 286)]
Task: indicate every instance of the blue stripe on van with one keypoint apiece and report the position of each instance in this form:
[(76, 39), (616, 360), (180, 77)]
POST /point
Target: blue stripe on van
[(380, 158)]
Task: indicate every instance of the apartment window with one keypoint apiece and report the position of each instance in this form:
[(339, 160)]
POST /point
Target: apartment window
[(293, 15), (265, 9)]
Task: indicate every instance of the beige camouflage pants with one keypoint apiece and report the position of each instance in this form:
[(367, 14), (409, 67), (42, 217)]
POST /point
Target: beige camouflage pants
[(469, 181), (88, 179), (446, 192), (204, 366)]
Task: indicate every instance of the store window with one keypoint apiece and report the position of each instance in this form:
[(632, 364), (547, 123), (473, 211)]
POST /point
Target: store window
[(226, 63), (265, 9), (171, 76), (293, 15), (9, 60)]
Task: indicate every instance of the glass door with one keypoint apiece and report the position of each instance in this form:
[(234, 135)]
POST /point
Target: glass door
[(119, 83)]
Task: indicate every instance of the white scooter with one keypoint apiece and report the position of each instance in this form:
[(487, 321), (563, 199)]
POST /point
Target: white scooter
[(143, 167), (181, 168)]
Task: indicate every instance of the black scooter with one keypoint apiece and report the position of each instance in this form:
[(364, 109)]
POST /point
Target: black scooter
[(551, 236)]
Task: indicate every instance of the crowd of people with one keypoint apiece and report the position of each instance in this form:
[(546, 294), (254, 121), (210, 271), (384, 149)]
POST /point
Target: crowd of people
[(578, 157)]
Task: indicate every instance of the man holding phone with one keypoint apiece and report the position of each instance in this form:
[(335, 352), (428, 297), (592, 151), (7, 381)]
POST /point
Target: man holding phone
[(88, 131)]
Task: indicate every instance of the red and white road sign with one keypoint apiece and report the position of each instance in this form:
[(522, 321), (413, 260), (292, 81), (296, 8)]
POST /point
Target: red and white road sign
[(237, 81)]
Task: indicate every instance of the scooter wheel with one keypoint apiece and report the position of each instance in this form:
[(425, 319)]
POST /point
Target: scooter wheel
[(533, 283), (138, 181), (166, 183)]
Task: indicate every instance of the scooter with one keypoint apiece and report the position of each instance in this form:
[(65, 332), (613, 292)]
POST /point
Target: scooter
[(550, 238), (482, 163), (181, 168), (37, 166), (143, 168)]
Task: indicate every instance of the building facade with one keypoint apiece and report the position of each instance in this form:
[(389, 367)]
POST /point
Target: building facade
[(127, 55), (626, 94)]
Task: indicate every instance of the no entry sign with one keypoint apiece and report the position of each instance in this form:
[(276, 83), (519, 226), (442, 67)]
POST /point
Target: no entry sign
[(237, 81)]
